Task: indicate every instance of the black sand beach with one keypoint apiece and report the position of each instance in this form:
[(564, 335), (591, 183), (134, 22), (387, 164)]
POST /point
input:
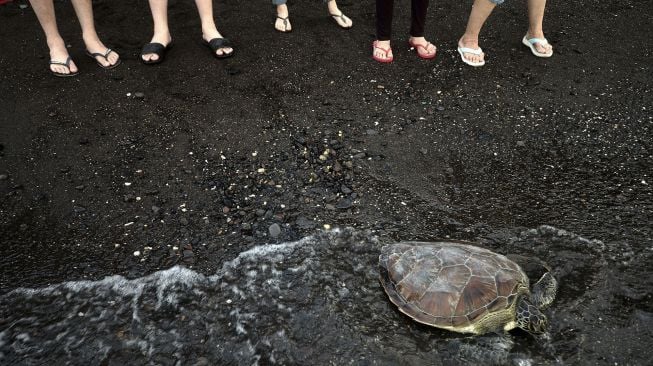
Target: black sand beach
[(193, 161)]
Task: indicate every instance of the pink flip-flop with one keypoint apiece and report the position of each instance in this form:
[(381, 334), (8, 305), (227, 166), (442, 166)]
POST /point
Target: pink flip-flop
[(425, 47)]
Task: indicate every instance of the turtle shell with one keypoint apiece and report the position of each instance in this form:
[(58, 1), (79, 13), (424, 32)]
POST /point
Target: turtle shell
[(452, 285)]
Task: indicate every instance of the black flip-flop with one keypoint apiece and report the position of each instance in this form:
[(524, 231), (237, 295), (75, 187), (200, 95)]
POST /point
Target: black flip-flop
[(66, 64), (157, 49), (342, 17), (105, 56), (218, 43)]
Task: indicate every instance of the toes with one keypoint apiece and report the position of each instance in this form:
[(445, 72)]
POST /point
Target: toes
[(59, 69), (113, 58)]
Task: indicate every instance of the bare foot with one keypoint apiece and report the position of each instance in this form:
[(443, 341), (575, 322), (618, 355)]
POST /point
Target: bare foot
[(472, 43), (541, 48), (282, 24), (382, 51), (96, 46), (59, 53), (337, 15), (424, 48)]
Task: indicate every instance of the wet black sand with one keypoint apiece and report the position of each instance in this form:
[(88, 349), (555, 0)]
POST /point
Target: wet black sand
[(304, 129)]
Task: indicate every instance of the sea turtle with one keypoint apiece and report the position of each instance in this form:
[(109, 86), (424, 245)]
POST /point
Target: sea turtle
[(464, 288)]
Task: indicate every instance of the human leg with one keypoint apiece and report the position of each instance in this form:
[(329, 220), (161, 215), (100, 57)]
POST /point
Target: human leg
[(209, 30), (535, 30), (103, 55), (382, 51), (282, 23), (44, 10), (481, 10), (161, 36), (418, 17)]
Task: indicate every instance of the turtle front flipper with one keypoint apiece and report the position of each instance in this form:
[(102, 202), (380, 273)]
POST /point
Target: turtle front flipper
[(544, 291), (530, 318)]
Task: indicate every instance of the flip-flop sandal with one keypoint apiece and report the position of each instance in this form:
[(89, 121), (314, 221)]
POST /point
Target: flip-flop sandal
[(105, 56), (427, 55), (341, 20), (387, 58), (66, 64), (217, 43), (530, 43), (474, 51), (285, 25), (157, 49)]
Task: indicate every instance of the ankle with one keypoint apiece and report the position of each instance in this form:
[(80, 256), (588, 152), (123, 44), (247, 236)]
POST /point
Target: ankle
[(468, 39), (210, 30), (56, 42), (535, 33), (161, 36), (282, 10)]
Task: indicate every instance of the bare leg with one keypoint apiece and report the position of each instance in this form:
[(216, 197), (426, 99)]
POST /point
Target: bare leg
[(481, 10), (161, 35), (535, 19), (44, 10), (209, 30), (342, 20), (279, 24), (84, 10)]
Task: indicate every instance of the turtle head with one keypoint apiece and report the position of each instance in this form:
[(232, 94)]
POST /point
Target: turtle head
[(530, 318)]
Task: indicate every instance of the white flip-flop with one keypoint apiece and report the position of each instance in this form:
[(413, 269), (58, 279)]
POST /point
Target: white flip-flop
[(473, 51), (530, 43)]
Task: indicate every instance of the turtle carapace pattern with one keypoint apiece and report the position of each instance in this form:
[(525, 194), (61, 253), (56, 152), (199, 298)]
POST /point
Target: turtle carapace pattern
[(460, 287)]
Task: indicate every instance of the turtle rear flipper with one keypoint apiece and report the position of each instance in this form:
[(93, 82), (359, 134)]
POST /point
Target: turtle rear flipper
[(544, 291)]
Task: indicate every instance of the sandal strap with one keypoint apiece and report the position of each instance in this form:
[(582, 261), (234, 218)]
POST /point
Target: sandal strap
[(473, 51), (422, 46), (62, 63), (104, 55), (285, 22), (155, 48), (218, 43), (541, 41)]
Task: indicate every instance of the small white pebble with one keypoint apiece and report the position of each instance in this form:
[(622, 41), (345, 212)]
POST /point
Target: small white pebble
[(326, 227), (137, 253), (127, 184), (229, 301)]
